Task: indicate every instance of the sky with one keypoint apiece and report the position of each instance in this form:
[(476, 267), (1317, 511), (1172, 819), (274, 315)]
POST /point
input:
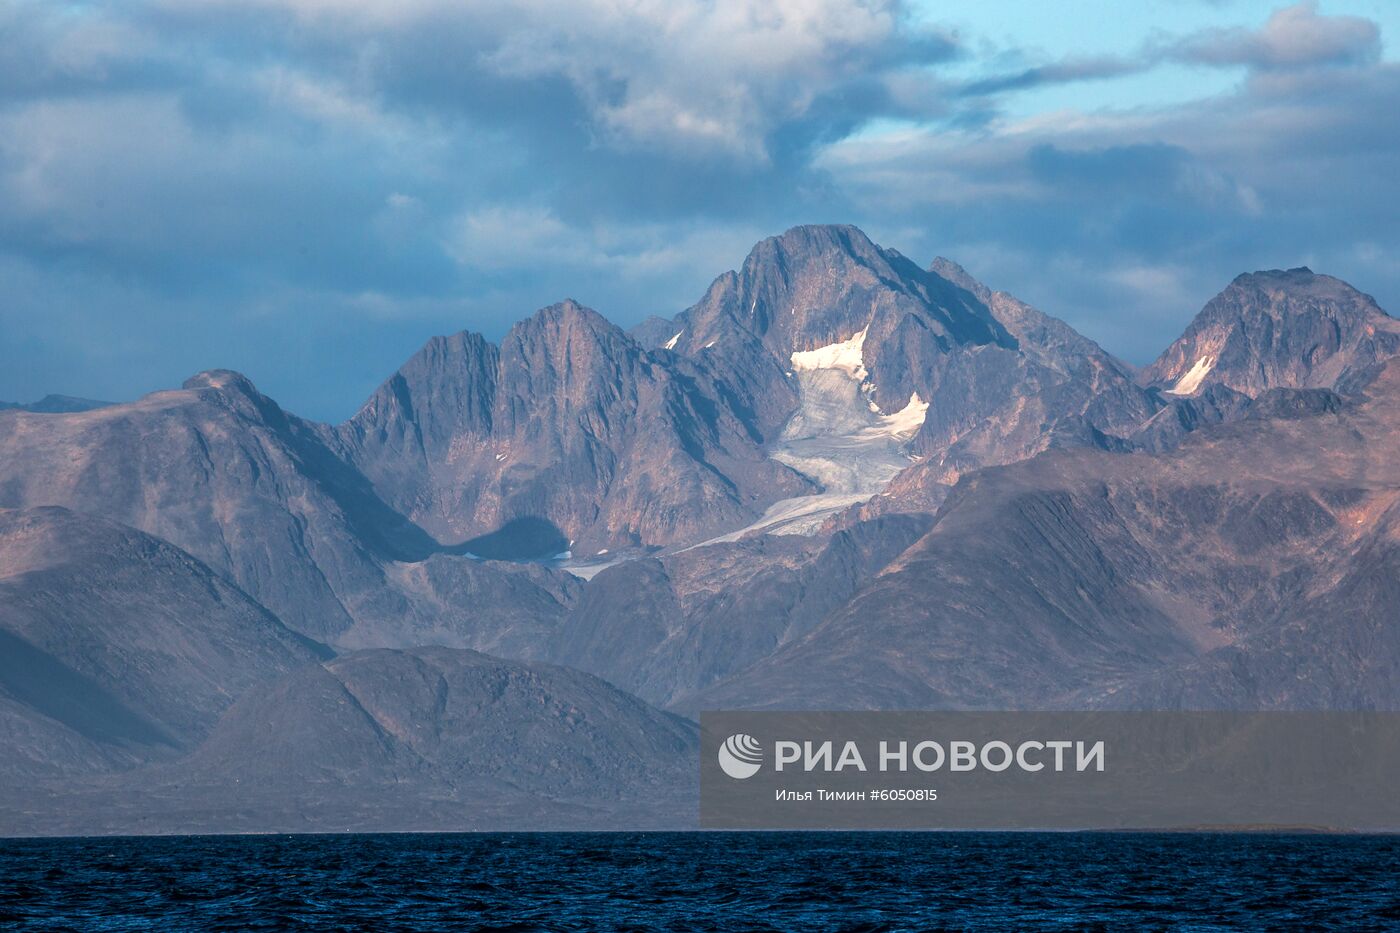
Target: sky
[(306, 190)]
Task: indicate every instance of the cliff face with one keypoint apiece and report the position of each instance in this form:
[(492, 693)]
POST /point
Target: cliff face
[(1292, 329), (839, 480), (569, 436), (262, 498)]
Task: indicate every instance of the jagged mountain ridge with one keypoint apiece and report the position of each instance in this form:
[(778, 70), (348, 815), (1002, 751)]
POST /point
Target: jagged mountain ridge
[(1064, 578), (615, 442), (1250, 567), (569, 423), (1273, 329), (263, 498)]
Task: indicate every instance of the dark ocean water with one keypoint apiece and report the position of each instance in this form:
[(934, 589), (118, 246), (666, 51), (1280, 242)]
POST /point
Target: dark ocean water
[(709, 881)]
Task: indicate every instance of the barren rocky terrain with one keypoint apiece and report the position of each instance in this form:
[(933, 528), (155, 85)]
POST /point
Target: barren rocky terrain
[(839, 480)]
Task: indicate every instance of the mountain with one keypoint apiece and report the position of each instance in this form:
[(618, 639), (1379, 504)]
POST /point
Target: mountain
[(819, 287), (117, 647), (664, 628), (1247, 568), (1278, 329), (839, 480), (428, 738), (260, 496), (568, 435), (854, 362), (1057, 389), (1293, 329), (1008, 587), (55, 404)]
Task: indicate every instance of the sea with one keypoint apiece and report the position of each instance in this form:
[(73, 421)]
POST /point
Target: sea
[(704, 881)]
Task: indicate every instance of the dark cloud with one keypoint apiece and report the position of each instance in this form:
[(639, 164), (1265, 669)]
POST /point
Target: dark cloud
[(1126, 223), (307, 189), (1065, 72)]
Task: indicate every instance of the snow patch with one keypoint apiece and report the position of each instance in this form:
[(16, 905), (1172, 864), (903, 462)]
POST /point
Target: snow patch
[(907, 420), (845, 355), (1190, 382), (671, 344), (844, 444), (708, 345)]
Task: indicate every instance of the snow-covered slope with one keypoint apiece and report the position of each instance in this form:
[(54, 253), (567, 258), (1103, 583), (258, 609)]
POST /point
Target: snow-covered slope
[(838, 437)]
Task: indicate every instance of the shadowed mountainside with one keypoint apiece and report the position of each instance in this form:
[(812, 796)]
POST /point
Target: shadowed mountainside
[(839, 480), (427, 739), (116, 646), (219, 470)]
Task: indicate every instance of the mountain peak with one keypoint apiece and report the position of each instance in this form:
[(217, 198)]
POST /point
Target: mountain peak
[(566, 313), (817, 287), (823, 234), (818, 284), (810, 241), (568, 328), (223, 379), (946, 268), (1278, 328), (1297, 275)]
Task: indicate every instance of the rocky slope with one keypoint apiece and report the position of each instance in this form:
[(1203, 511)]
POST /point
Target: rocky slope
[(260, 496), (1278, 329), (1057, 389), (666, 628), (1293, 329), (569, 435), (1248, 568), (429, 738), (219, 470), (117, 647)]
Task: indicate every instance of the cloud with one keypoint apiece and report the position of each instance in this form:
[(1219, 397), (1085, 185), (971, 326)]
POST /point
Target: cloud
[(307, 188), (49, 49), (691, 78), (1294, 37), (1064, 72), (1294, 170)]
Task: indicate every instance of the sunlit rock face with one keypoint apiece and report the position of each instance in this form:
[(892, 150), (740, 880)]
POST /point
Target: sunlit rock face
[(570, 423), (1253, 566), (1280, 329), (855, 363)]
